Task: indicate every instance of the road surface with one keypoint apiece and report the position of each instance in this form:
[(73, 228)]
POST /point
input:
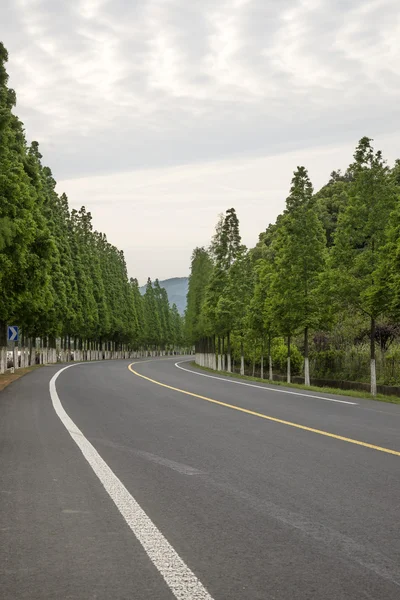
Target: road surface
[(158, 482)]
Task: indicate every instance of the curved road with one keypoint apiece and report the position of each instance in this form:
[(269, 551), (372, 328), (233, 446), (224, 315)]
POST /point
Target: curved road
[(159, 482)]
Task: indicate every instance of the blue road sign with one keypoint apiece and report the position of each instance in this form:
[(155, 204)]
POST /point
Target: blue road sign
[(12, 333)]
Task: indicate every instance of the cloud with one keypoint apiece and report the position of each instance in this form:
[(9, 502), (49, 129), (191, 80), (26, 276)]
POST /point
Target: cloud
[(109, 85), (159, 114), (159, 215)]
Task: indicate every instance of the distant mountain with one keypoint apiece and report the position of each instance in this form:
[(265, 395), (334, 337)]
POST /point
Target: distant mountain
[(177, 288)]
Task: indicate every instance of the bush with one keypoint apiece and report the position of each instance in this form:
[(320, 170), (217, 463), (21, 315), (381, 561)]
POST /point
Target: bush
[(279, 354), (327, 364)]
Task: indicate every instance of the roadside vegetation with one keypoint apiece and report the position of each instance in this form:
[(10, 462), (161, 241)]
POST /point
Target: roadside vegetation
[(319, 295), (61, 281)]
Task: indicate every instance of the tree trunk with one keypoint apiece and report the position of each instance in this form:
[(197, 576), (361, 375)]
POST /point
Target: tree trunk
[(15, 356), (373, 361), (241, 357), (219, 355), (223, 353), (288, 359), (254, 366), (3, 334), (3, 347), (229, 369), (306, 361), (262, 359), (270, 375), (214, 358)]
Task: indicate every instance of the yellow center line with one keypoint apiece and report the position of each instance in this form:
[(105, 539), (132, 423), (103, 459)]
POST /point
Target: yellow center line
[(267, 417)]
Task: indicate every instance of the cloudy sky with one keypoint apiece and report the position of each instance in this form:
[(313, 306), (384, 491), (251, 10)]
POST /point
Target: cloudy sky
[(160, 114)]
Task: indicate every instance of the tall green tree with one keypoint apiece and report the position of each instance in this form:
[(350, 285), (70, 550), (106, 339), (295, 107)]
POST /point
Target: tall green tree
[(361, 237), (25, 244), (200, 273), (152, 325), (299, 261), (227, 247), (233, 303), (260, 314), (177, 334)]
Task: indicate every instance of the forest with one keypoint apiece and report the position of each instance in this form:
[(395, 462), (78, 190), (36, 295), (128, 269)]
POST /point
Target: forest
[(319, 295), (61, 281)]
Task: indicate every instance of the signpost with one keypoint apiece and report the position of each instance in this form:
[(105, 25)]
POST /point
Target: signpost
[(12, 336), (12, 333)]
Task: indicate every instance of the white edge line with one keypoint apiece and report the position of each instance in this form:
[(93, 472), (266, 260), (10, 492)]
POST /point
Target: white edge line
[(262, 387), (180, 579)]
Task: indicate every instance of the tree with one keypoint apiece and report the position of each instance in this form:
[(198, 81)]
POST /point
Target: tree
[(200, 273), (299, 248), (163, 311), (226, 249), (233, 302), (152, 325), (25, 244), (260, 315), (58, 277), (360, 239), (176, 328)]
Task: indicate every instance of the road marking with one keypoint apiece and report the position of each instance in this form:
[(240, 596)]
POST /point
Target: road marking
[(267, 417), (180, 579), (262, 387)]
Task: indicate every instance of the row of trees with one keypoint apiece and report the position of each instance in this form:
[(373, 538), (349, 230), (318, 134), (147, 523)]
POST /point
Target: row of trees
[(329, 256), (60, 279)]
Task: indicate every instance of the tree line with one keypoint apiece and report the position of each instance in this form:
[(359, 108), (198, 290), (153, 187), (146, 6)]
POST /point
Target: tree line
[(327, 269), (59, 278)]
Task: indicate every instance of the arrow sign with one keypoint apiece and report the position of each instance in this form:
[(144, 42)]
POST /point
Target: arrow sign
[(12, 333)]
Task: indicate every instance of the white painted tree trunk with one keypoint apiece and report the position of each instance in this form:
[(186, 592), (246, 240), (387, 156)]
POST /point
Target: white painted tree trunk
[(242, 365), (288, 369), (262, 367), (229, 363), (219, 363), (306, 371), (271, 375), (15, 357), (3, 360), (373, 377)]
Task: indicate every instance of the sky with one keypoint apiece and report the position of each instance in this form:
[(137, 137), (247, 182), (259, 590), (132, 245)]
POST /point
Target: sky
[(158, 115)]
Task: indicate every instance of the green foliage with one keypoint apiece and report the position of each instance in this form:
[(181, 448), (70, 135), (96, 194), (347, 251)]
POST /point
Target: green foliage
[(361, 233), (330, 263), (299, 256), (279, 353), (227, 286), (201, 269), (59, 277)]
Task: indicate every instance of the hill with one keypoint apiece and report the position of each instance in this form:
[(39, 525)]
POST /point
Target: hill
[(177, 288)]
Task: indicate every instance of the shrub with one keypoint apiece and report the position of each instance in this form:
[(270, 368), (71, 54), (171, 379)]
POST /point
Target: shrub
[(279, 354)]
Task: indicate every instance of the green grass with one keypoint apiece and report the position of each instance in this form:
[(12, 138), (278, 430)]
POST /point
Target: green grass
[(311, 388)]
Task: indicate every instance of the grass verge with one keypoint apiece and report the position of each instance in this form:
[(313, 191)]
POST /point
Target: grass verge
[(9, 377), (311, 388)]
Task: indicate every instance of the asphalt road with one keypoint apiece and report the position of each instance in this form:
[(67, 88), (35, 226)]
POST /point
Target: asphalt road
[(115, 487)]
